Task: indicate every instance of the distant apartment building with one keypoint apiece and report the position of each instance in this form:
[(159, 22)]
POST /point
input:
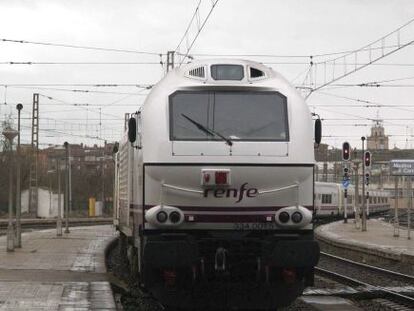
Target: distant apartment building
[(82, 157)]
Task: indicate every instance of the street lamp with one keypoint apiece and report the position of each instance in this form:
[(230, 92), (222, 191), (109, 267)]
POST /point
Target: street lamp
[(18, 243), (59, 218), (66, 145), (58, 155), (10, 134)]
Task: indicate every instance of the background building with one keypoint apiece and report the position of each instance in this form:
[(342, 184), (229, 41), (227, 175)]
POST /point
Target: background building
[(377, 140), (92, 174)]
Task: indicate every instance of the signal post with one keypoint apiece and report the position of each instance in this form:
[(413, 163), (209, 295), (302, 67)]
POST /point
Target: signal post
[(365, 167), (346, 156), (357, 208), (367, 163)]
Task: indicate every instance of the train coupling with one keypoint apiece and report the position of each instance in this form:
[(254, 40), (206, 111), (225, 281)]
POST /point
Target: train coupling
[(220, 259)]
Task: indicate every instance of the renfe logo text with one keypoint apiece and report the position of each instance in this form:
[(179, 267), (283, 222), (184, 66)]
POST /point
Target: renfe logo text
[(232, 192)]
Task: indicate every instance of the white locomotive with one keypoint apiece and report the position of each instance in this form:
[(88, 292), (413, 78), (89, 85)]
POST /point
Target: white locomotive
[(330, 201), (214, 188)]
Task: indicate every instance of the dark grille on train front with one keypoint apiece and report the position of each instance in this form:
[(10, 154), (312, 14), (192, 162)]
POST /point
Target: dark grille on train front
[(241, 256)]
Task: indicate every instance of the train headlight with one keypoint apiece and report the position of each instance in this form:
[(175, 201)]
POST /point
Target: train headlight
[(284, 217), (297, 217), (164, 216), (293, 217), (175, 217)]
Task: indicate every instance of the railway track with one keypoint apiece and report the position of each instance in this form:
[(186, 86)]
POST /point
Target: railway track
[(386, 287), (397, 276)]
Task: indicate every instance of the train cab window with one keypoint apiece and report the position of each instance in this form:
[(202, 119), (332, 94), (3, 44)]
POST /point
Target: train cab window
[(236, 115), (326, 198), (227, 72)]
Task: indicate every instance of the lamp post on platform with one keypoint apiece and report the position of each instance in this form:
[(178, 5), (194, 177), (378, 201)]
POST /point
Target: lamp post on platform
[(10, 134), (18, 243), (59, 217), (58, 156), (66, 145)]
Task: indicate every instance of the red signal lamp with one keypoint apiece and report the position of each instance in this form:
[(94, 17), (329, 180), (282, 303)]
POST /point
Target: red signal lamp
[(367, 159), (346, 151), (221, 177)]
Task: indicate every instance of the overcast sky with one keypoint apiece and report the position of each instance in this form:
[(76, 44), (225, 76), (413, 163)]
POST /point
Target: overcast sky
[(277, 27)]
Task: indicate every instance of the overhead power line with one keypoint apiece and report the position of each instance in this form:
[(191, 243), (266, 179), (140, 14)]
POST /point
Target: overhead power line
[(370, 53), (359, 118), (109, 84), (366, 103), (196, 12), (373, 84), (363, 118), (73, 46), (77, 90), (77, 63), (199, 24), (314, 55), (78, 106)]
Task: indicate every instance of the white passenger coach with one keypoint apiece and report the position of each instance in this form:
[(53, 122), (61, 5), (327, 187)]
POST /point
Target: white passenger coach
[(330, 200)]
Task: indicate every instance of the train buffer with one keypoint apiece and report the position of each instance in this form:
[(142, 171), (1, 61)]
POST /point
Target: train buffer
[(57, 273)]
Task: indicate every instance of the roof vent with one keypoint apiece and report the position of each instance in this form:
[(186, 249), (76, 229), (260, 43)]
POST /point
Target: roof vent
[(198, 72)]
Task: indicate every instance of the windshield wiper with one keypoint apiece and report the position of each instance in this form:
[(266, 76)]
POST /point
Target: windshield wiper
[(207, 130)]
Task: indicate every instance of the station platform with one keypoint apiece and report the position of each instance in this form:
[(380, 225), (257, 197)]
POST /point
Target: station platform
[(378, 240), (57, 273)]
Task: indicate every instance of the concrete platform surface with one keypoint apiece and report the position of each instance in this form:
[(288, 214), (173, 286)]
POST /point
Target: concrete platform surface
[(57, 273), (379, 238)]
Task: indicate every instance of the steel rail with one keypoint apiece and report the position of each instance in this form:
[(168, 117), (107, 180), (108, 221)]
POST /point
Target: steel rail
[(392, 295), (406, 277)]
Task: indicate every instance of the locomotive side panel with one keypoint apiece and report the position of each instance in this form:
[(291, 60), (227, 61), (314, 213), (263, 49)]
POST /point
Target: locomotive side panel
[(125, 189)]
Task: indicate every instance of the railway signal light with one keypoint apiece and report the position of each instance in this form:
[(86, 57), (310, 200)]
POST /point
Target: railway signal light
[(367, 159), (346, 151), (367, 179), (346, 173)]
